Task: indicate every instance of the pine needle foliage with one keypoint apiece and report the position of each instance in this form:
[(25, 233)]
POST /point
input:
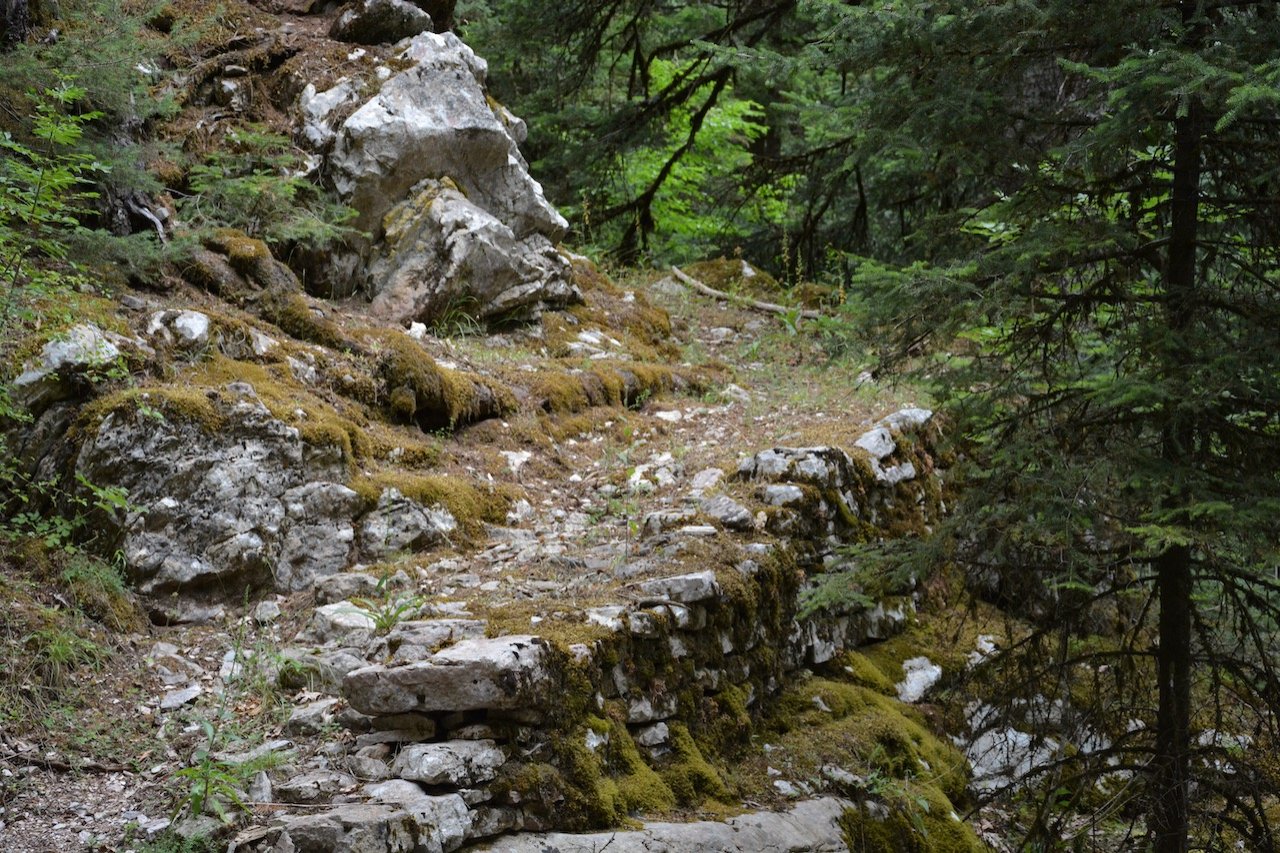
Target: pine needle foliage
[(1099, 308)]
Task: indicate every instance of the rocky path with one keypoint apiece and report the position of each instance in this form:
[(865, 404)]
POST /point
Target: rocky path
[(643, 582), (422, 588)]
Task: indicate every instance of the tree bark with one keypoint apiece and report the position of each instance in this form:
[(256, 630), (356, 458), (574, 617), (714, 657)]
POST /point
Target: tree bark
[(1170, 789), (15, 22)]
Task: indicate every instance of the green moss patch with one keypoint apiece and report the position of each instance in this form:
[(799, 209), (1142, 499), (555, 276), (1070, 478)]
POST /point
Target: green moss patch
[(727, 275), (471, 506), (918, 820), (687, 772), (193, 397), (49, 318), (629, 384), (421, 392), (863, 673), (293, 314)]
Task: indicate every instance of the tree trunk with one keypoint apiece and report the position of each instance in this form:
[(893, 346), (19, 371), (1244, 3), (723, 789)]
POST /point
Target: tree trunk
[(1170, 790), (15, 22)]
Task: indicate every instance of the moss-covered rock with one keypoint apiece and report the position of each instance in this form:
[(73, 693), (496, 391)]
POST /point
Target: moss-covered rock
[(687, 772), (471, 505), (291, 311), (421, 392), (909, 818)]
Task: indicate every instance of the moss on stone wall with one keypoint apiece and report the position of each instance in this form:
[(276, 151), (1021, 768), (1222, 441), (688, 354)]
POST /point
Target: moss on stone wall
[(689, 775)]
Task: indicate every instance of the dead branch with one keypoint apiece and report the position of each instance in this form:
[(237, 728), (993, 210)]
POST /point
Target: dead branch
[(770, 307)]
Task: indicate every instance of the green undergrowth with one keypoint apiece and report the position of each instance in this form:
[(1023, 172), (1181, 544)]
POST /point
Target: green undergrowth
[(64, 616), (897, 763)]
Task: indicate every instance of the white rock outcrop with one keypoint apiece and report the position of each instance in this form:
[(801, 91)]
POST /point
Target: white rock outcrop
[(245, 501), (433, 168)]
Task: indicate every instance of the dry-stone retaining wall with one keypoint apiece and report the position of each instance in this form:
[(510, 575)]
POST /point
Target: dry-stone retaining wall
[(460, 736)]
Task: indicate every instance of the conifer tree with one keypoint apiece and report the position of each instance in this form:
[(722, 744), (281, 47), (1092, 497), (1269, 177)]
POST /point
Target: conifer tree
[(1106, 295)]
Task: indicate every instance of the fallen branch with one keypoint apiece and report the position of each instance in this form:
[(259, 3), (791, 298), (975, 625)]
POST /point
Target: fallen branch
[(771, 307), (89, 765)]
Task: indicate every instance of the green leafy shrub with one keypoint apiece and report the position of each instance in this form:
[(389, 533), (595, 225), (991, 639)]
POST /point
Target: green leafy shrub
[(44, 186), (255, 183)]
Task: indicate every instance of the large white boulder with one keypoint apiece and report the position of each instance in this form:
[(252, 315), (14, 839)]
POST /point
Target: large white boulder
[(433, 169), (442, 252)]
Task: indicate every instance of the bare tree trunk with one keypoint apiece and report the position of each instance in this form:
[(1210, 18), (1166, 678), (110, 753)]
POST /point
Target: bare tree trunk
[(15, 22), (1170, 789), (1170, 819)]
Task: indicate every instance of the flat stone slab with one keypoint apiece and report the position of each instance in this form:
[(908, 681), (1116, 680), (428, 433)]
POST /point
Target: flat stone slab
[(811, 826), (501, 673), (460, 763), (350, 829), (686, 589)]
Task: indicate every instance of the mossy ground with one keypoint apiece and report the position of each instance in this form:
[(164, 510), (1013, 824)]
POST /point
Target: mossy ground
[(896, 762), (66, 620)]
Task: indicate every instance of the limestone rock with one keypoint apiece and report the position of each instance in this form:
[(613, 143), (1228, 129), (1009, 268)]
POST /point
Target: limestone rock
[(186, 329), (175, 699), (811, 826), (318, 111), (648, 710), (441, 250), (459, 763), (443, 821), (311, 718), (341, 620), (61, 361), (919, 674), (246, 503), (434, 171), (350, 829), (503, 673), (272, 747), (316, 786), (379, 22), (654, 736), (879, 443), (685, 589), (400, 524), (432, 121), (266, 612), (824, 467), (419, 639), (346, 585), (321, 671), (727, 511), (320, 536)]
